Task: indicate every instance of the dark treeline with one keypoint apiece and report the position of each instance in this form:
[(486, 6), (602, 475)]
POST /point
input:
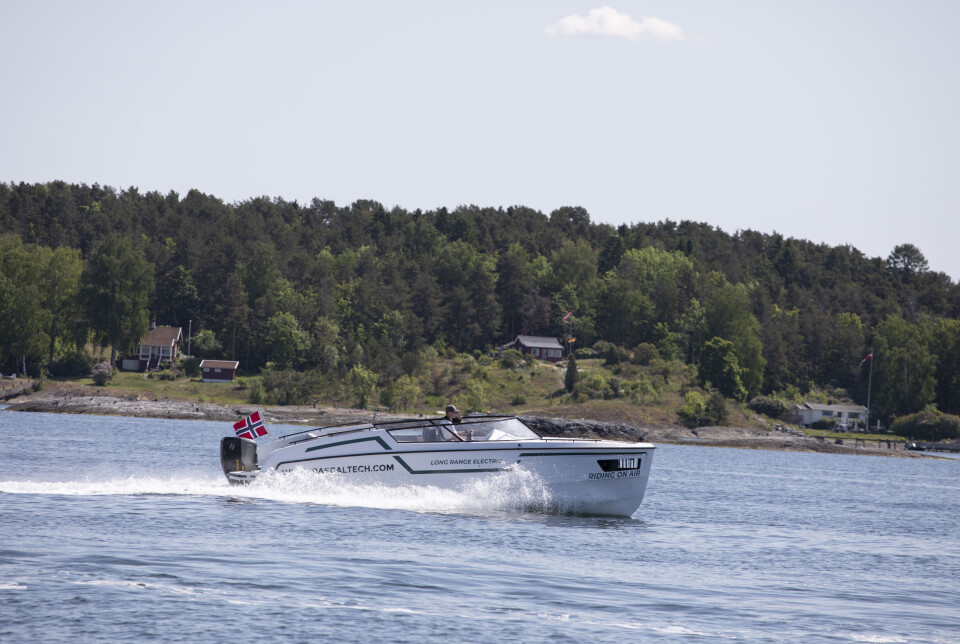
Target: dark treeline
[(319, 286)]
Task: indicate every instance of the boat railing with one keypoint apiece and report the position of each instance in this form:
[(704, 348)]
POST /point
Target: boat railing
[(412, 424)]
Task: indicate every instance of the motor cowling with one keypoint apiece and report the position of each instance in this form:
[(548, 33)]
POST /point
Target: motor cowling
[(237, 454)]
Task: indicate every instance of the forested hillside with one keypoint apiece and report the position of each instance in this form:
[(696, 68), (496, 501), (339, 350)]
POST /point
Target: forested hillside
[(324, 287)]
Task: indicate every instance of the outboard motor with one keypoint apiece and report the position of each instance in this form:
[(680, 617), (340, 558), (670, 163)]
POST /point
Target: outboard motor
[(237, 454)]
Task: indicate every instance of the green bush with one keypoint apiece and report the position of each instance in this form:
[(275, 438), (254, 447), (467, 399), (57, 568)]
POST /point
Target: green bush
[(75, 363), (767, 406), (716, 412), (511, 359), (642, 388), (644, 353), (388, 395), (257, 394), (289, 387), (191, 367), (698, 411), (101, 373), (595, 386), (614, 385), (927, 425), (693, 410), (824, 422)]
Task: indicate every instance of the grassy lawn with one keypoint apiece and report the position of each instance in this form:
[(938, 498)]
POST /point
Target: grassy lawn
[(827, 433), (220, 393)]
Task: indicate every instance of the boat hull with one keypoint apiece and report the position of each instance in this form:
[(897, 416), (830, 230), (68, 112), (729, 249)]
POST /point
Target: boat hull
[(578, 476)]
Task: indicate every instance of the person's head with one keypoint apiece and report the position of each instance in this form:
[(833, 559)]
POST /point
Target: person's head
[(453, 414)]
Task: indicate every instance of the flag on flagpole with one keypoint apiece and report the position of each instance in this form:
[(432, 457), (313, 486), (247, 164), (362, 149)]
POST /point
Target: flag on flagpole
[(567, 316), (250, 427), (869, 355), (571, 340)]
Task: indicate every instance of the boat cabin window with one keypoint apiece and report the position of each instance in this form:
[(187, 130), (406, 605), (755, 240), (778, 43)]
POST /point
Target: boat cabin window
[(497, 429), (470, 429)]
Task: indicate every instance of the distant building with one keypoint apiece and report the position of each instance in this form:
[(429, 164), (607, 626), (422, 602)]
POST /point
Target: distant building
[(160, 345), (846, 416), (219, 370), (537, 346)]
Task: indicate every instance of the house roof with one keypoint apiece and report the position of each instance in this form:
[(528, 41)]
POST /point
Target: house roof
[(820, 407), (538, 341), (163, 336), (219, 364)]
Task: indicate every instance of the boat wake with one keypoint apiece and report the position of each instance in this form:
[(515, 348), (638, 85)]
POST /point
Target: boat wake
[(511, 491)]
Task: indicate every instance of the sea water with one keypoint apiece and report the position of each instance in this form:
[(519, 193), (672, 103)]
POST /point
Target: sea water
[(120, 529)]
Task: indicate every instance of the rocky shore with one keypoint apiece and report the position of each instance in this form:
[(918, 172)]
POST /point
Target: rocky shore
[(74, 399)]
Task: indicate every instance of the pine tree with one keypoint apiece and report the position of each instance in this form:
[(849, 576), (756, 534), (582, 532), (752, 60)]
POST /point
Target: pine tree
[(570, 379)]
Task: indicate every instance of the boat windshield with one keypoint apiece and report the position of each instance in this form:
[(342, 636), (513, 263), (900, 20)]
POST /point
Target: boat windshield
[(470, 429)]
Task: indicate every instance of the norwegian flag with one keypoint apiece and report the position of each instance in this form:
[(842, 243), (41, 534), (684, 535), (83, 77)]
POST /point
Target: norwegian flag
[(869, 355), (567, 316), (250, 427)]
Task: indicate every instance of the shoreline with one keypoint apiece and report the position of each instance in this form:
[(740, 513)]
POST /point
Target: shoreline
[(79, 399)]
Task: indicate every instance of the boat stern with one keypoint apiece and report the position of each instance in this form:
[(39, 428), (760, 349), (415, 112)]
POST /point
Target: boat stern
[(238, 458)]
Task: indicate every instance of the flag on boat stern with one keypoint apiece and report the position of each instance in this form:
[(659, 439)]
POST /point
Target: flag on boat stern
[(869, 355), (250, 427)]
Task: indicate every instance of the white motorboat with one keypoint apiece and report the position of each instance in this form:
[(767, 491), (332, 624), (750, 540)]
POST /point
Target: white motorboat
[(583, 476)]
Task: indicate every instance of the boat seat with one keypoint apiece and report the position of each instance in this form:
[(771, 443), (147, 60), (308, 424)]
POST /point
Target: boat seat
[(430, 435)]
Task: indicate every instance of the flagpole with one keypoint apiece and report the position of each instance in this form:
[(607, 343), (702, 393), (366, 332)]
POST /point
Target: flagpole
[(869, 384)]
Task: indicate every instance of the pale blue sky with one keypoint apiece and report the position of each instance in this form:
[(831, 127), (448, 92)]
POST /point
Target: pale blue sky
[(836, 121)]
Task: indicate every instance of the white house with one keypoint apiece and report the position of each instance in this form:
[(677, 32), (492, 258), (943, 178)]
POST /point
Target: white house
[(161, 344), (846, 416)]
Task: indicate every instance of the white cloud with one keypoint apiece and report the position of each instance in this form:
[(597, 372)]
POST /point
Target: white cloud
[(609, 22)]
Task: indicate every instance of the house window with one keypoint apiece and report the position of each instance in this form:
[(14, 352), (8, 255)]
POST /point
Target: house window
[(216, 371), (536, 352)]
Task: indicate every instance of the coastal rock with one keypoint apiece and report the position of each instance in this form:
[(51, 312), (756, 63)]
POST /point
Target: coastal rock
[(583, 428)]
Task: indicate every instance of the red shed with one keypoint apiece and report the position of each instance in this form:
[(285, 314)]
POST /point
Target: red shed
[(537, 346), (219, 370)]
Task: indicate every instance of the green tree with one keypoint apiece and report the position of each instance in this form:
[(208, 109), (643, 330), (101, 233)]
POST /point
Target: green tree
[(233, 308), (25, 319), (624, 313), (117, 285), (284, 340), (904, 371), (719, 368), (364, 383), (177, 297), (665, 277), (61, 283), (729, 316), (571, 376), (906, 259), (514, 287), (946, 346), (408, 390), (204, 345), (476, 395)]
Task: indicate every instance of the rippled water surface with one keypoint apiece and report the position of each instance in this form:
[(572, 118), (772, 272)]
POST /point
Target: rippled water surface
[(118, 529)]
